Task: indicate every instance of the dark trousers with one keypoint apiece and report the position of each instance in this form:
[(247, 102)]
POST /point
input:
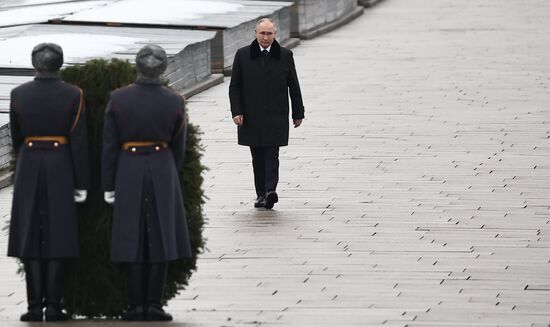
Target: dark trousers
[(44, 279), (146, 280), (146, 284), (265, 162)]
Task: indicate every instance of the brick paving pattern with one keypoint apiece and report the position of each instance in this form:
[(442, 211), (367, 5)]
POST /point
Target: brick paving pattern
[(416, 193)]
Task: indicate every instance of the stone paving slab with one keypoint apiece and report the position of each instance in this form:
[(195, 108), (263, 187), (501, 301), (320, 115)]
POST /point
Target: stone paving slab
[(414, 194)]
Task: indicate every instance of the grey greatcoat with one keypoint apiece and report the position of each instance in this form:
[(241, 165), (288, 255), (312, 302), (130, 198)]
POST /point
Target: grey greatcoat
[(47, 106), (145, 112), (259, 91)]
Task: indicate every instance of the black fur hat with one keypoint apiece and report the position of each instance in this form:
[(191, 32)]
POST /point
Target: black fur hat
[(151, 61), (47, 57)]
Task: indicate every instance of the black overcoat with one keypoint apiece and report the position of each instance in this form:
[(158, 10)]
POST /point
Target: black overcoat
[(47, 107), (145, 112), (259, 91)]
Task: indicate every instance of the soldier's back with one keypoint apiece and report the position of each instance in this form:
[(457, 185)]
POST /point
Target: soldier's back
[(146, 112), (45, 106)]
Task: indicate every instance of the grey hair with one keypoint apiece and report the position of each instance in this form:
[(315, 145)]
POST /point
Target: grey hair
[(263, 20)]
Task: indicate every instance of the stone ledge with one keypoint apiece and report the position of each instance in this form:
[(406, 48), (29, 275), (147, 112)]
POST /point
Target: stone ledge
[(368, 3), (291, 43), (213, 79), (5, 71), (312, 33), (6, 178)]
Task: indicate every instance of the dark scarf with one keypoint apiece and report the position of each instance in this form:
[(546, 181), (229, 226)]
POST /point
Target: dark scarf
[(274, 52)]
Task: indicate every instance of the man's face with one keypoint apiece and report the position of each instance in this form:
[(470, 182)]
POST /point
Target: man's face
[(265, 34)]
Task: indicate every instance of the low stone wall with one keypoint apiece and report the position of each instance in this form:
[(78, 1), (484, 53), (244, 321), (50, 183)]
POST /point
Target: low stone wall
[(189, 67), (311, 18), (188, 50), (6, 171), (5, 149), (368, 3)]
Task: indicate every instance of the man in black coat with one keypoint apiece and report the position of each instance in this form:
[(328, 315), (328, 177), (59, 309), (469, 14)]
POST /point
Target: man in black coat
[(143, 147), (262, 76), (48, 131)]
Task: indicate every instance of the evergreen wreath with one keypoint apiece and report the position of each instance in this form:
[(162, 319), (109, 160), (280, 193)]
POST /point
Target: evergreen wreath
[(95, 286)]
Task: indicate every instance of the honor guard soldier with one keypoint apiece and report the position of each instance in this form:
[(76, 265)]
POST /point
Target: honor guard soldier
[(48, 131), (143, 147)]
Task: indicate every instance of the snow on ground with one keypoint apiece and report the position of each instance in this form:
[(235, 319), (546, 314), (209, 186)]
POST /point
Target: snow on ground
[(19, 3), (41, 14), (155, 12)]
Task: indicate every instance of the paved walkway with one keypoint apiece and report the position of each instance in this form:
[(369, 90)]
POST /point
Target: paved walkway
[(416, 193)]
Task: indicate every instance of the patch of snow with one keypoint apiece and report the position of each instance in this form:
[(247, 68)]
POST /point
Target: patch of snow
[(19, 3), (43, 13), (155, 12), (17, 51)]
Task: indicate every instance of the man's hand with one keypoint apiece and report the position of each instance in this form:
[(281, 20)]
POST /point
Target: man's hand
[(238, 120), (109, 197), (80, 196), (297, 122)]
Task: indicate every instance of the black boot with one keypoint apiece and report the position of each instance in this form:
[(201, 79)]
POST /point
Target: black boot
[(54, 291), (33, 278), (157, 279), (136, 311)]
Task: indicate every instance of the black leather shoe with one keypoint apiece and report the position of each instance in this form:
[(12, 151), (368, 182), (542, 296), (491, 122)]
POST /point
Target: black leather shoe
[(32, 315), (155, 313), (54, 313), (260, 202), (134, 314), (270, 199)]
